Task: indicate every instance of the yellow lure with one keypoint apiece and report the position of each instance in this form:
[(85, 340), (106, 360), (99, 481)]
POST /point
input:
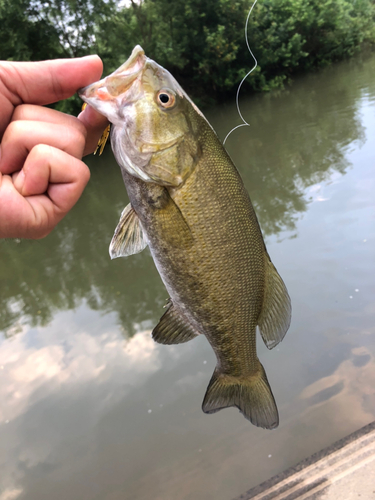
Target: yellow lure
[(104, 138)]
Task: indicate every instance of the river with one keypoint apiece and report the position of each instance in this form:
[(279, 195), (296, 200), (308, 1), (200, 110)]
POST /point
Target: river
[(92, 409)]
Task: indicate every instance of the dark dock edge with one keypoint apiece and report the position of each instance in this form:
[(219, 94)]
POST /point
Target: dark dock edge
[(312, 477)]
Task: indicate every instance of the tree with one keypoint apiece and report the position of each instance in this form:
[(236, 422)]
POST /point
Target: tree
[(23, 35), (200, 41)]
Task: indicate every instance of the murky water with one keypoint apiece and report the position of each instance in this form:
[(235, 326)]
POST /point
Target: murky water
[(92, 409)]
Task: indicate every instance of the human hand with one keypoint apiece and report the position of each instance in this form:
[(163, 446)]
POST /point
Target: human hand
[(41, 172)]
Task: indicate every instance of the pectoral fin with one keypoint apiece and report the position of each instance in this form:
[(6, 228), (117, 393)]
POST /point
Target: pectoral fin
[(173, 328), (274, 319), (170, 222), (129, 237)]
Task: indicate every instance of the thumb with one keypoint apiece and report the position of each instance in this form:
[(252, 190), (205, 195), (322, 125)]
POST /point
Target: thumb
[(45, 82)]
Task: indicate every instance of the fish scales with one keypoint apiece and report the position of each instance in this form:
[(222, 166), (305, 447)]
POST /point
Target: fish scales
[(229, 231), (189, 204)]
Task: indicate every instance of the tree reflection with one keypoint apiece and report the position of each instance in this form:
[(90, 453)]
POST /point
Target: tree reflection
[(38, 278), (297, 139)]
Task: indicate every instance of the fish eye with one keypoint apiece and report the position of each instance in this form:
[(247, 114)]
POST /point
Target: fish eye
[(166, 98)]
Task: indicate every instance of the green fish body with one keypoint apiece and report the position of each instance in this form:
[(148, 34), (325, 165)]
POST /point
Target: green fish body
[(189, 205)]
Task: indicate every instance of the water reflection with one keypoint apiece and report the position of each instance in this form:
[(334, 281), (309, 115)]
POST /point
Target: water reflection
[(296, 139), (73, 264), (356, 384), (56, 394), (48, 366)]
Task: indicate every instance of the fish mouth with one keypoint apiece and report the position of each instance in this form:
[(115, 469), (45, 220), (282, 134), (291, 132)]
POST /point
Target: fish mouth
[(106, 91)]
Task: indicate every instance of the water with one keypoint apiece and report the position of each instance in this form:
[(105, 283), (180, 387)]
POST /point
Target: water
[(92, 409)]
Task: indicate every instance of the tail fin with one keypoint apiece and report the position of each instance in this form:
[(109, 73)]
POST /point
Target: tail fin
[(252, 396)]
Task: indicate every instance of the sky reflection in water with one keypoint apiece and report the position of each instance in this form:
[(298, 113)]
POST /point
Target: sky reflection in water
[(92, 409)]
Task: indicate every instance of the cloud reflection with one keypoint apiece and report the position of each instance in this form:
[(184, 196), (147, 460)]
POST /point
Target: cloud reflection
[(51, 375), (10, 494), (56, 359), (349, 388)]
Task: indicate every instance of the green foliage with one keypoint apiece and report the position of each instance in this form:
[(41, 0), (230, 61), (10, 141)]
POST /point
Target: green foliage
[(23, 35), (295, 35), (200, 41), (33, 30), (197, 40)]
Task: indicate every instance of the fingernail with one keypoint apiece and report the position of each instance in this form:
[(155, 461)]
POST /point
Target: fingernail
[(91, 56)]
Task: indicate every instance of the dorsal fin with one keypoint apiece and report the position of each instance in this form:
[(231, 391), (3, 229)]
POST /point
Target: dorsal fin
[(173, 328), (129, 237), (274, 320)]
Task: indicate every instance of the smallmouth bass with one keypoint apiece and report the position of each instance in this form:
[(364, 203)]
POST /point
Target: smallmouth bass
[(189, 204)]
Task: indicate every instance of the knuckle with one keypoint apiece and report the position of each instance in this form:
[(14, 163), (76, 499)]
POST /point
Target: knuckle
[(14, 136), (8, 78), (39, 234), (38, 155), (57, 85), (86, 174), (40, 151), (20, 112), (76, 142), (39, 228), (83, 173), (80, 127), (15, 129)]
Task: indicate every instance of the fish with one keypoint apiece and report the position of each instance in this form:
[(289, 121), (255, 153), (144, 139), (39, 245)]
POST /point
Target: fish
[(189, 205)]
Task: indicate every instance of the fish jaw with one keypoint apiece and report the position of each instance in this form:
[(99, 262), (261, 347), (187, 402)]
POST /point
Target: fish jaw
[(109, 95), (151, 139)]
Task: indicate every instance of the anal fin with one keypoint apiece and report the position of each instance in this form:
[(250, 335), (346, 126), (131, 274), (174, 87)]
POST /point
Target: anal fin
[(129, 237), (274, 320), (173, 328)]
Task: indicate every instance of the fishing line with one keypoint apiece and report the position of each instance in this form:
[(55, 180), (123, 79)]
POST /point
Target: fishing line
[(244, 124)]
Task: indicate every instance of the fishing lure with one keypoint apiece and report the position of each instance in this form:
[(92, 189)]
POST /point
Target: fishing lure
[(104, 138)]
